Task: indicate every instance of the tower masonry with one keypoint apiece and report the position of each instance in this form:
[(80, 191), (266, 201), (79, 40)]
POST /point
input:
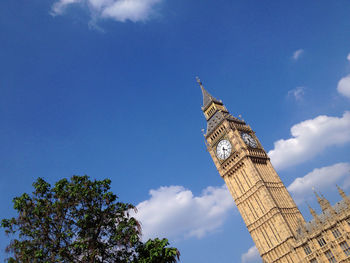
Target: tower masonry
[(272, 218)]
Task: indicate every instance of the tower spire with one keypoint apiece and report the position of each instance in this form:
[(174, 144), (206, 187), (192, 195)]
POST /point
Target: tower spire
[(207, 98)]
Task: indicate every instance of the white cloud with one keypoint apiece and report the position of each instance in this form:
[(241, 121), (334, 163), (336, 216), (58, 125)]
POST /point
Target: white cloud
[(118, 10), (135, 10), (59, 7), (251, 256), (310, 138), (297, 93), (344, 86), (320, 178), (348, 57), (174, 212), (346, 183), (297, 54)]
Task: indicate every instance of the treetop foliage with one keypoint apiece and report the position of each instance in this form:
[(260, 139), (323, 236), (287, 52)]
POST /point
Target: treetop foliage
[(79, 220)]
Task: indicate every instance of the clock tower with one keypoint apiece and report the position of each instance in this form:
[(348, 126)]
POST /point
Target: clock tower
[(269, 212)]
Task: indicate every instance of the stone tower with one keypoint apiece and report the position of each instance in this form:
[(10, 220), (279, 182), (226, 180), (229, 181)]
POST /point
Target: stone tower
[(269, 212)]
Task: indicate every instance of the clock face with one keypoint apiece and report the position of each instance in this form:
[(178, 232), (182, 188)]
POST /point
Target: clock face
[(223, 150), (249, 140)]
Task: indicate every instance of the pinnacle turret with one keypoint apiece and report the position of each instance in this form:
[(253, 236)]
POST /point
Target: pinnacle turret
[(342, 193), (314, 215), (312, 211), (323, 202), (344, 196)]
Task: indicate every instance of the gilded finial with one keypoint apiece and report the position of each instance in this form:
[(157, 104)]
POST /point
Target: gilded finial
[(199, 81)]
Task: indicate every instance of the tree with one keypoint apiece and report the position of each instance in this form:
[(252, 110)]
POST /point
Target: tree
[(79, 220), (156, 251)]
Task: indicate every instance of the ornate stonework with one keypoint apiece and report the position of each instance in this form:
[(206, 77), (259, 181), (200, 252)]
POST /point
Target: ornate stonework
[(327, 237), (274, 221)]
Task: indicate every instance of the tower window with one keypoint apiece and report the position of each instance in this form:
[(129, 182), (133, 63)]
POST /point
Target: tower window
[(307, 250), (330, 256), (211, 111), (345, 247), (321, 242), (314, 260), (336, 233)]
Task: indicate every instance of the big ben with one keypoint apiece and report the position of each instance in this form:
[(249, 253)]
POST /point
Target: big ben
[(268, 210)]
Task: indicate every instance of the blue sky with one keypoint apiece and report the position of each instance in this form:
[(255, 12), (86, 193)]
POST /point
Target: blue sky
[(107, 89)]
